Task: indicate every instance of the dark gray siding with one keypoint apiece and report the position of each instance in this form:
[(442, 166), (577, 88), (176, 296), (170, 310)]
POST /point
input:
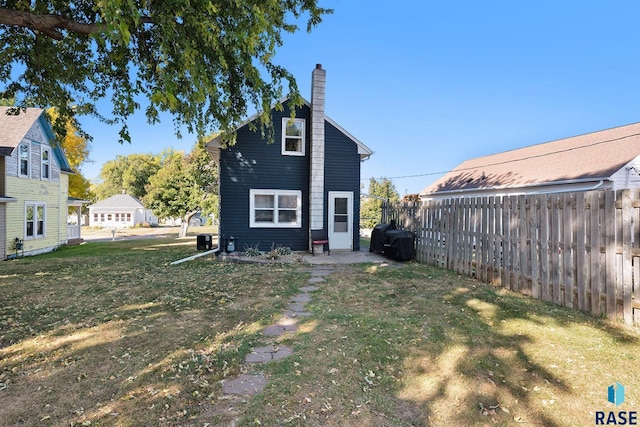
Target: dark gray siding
[(342, 173), (253, 164)]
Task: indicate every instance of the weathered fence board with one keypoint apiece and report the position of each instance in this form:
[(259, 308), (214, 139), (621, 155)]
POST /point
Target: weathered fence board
[(580, 250)]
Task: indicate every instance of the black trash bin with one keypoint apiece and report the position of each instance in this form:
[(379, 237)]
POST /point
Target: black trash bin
[(399, 245), (379, 236), (204, 242)]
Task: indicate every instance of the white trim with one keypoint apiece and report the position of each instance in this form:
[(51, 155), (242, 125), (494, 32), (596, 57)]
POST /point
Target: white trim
[(47, 150), (275, 193), (337, 239), (20, 174), (35, 220), (301, 139)]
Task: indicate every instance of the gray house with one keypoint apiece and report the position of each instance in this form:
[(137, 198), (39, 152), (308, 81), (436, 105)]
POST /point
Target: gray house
[(608, 159), (309, 179)]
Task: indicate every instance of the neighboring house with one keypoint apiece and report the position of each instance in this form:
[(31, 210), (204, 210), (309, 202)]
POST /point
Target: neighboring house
[(309, 178), (120, 211), (608, 159), (34, 180)]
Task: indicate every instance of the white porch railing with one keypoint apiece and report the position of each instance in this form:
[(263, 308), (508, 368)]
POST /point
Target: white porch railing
[(73, 231)]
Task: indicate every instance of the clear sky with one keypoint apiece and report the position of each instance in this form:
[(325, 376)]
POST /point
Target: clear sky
[(428, 84)]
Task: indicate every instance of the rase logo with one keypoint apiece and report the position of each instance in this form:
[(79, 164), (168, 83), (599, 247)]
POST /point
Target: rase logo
[(615, 395)]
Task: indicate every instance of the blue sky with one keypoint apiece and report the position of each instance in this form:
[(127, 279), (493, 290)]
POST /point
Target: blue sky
[(427, 84)]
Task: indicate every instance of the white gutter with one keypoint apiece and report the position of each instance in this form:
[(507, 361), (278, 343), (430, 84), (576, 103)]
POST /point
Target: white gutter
[(504, 187)]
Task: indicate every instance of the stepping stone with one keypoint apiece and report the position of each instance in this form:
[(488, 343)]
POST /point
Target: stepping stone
[(268, 353), (294, 314), (245, 385), (277, 330), (296, 307), (316, 280), (301, 298), (309, 288)]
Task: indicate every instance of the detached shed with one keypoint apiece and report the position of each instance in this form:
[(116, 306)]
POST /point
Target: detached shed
[(120, 211)]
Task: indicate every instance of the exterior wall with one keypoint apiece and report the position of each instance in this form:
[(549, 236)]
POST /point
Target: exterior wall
[(4, 247), (138, 216), (342, 173), (31, 190), (627, 176), (52, 192), (253, 164)]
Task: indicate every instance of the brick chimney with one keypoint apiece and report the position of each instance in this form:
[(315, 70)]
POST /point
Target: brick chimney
[(316, 183)]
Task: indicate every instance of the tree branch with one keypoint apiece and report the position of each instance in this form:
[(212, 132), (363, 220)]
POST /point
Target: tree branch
[(50, 25)]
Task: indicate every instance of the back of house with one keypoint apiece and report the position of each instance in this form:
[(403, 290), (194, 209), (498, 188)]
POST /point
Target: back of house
[(274, 194)]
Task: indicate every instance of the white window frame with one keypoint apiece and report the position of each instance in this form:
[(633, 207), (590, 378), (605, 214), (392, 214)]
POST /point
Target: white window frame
[(47, 164), (28, 174), (35, 220), (301, 138), (275, 223)]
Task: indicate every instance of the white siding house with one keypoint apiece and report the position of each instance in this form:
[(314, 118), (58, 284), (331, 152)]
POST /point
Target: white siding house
[(120, 211)]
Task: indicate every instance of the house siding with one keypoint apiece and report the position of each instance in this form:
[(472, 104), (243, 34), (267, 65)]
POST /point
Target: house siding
[(31, 190), (342, 173), (627, 176), (253, 164)]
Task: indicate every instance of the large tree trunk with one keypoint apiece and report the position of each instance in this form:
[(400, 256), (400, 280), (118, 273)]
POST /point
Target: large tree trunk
[(185, 223)]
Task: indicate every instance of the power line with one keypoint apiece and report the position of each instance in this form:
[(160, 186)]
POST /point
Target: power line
[(505, 161)]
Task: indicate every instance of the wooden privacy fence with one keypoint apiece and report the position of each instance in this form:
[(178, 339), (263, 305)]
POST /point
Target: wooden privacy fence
[(581, 250)]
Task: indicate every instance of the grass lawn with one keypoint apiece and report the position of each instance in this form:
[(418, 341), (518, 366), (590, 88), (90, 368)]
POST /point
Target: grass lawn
[(108, 333)]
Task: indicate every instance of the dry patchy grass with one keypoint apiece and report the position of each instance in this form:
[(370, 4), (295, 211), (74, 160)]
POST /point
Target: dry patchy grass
[(110, 334)]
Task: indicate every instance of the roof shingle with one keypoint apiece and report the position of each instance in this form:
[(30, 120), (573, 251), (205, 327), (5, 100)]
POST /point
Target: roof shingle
[(595, 155)]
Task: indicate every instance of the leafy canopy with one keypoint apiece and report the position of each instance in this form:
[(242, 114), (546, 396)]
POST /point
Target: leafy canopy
[(129, 174), (184, 186), (205, 62), (371, 207)]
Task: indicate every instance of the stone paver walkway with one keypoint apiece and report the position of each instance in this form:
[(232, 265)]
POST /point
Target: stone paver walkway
[(253, 381)]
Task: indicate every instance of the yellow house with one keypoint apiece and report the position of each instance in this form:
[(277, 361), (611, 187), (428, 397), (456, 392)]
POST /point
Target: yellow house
[(34, 182)]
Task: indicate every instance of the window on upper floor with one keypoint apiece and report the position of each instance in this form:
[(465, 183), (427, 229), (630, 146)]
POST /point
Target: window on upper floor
[(35, 220), (24, 154), (275, 208), (293, 137), (45, 164)]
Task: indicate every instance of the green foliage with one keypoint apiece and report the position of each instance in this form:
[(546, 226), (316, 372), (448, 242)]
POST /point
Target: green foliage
[(184, 185), (205, 63), (127, 173), (371, 207)]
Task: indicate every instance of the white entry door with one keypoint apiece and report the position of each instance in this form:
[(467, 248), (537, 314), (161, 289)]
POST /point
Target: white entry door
[(340, 220)]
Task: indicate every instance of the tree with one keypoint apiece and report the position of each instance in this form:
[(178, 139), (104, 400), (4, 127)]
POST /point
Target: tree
[(204, 62), (76, 148), (371, 205), (184, 186), (129, 174)]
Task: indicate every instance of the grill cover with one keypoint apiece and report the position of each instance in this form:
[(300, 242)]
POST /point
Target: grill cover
[(378, 238), (399, 245)]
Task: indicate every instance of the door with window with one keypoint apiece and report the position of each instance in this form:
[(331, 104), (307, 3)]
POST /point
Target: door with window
[(341, 220)]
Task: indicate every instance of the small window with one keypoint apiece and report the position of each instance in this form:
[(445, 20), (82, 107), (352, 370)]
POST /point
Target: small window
[(275, 208), (292, 137), (46, 166), (34, 220), (23, 160)]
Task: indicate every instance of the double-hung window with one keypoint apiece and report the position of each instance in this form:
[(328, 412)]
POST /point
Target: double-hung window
[(24, 154), (35, 220), (293, 137), (275, 208), (45, 164)]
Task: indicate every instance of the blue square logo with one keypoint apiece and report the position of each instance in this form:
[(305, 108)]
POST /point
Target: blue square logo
[(616, 393)]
